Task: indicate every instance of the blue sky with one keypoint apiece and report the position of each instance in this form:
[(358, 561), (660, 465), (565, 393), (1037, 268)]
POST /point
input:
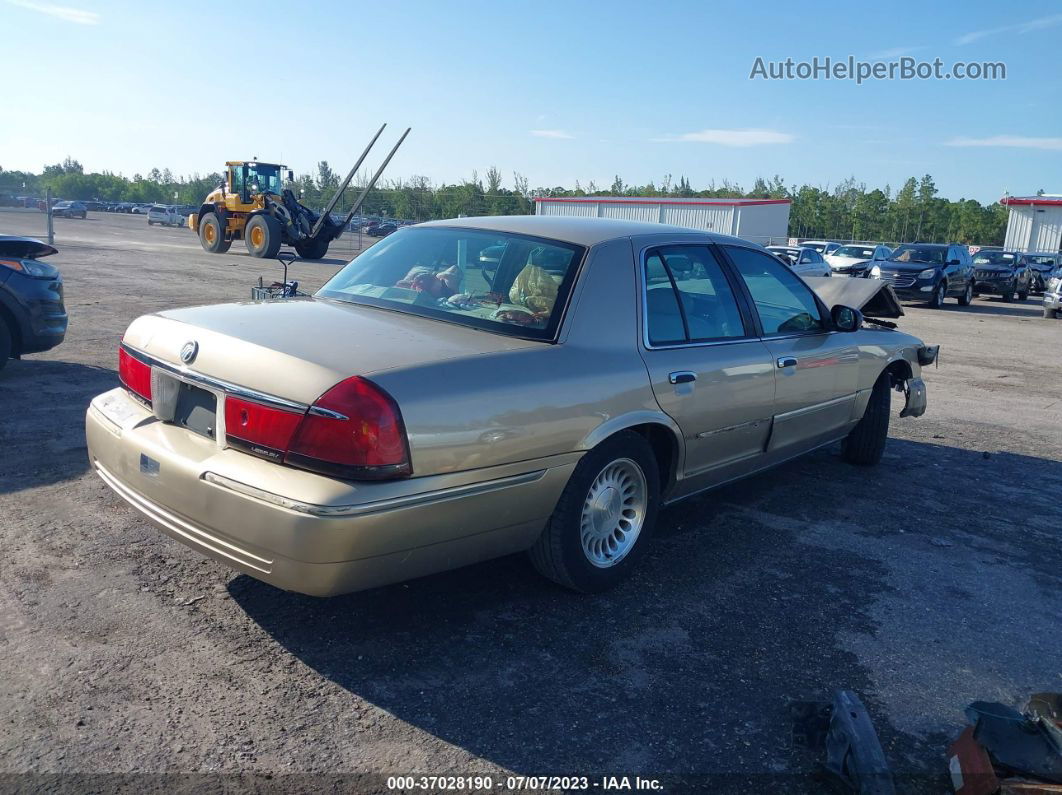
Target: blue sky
[(559, 91)]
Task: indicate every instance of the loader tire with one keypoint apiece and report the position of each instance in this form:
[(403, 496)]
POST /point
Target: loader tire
[(211, 234), (263, 236), (312, 248)]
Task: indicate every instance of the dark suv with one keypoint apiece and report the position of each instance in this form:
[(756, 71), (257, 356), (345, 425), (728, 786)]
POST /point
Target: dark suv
[(32, 315), (1003, 273), (929, 272)]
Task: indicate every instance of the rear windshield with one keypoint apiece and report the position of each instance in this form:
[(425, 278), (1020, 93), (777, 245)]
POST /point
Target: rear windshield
[(502, 282)]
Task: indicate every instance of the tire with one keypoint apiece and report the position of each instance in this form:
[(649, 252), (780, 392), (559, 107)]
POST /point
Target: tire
[(5, 344), (937, 301), (1007, 295), (564, 552), (967, 296), (262, 235), (312, 249), (211, 236), (1023, 295), (150, 222), (865, 443), (1050, 314)]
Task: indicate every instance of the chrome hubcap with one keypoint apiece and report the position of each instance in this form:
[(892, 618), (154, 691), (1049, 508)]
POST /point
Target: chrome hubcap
[(613, 513)]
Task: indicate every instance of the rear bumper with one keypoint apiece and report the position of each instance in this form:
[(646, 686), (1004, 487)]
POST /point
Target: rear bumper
[(306, 533)]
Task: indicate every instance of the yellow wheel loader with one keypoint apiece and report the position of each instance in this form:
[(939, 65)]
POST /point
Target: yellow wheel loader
[(253, 205)]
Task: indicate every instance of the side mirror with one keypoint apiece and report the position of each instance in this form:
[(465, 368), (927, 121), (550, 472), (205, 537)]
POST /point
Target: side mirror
[(846, 319)]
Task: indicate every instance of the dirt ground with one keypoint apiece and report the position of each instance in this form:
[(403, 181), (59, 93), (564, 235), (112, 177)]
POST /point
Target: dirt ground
[(922, 584)]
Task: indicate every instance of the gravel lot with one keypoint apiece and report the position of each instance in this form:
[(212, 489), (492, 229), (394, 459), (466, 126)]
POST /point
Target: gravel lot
[(922, 584)]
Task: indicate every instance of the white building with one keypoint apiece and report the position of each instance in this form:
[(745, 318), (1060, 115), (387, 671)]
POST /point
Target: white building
[(759, 220), (1034, 224)]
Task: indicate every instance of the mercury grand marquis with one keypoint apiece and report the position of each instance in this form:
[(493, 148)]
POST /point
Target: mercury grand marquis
[(471, 388)]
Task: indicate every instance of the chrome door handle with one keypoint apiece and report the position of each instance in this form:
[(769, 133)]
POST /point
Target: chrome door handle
[(787, 361), (681, 377)]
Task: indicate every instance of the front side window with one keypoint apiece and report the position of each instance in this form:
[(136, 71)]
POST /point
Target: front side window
[(784, 303), (688, 297), (263, 178), (498, 281)]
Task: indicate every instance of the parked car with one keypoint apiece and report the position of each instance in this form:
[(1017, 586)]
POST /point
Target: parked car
[(929, 272), (856, 259), (824, 247), (32, 314), (124, 207), (1042, 264), (69, 209), (805, 261), (1002, 273), (140, 209), (383, 230), (1053, 294), (419, 429), (163, 214)]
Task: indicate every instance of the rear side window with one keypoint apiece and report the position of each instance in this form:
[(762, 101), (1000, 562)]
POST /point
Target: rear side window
[(783, 302), (688, 297)]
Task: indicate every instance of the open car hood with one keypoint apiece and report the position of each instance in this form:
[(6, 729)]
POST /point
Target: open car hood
[(872, 297), (24, 247)]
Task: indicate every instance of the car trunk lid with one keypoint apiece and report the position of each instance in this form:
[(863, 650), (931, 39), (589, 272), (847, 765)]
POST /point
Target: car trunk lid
[(298, 349)]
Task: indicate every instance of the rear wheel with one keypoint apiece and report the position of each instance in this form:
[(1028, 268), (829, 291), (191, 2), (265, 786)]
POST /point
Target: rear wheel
[(967, 295), (211, 235), (312, 248), (1023, 294), (1050, 314), (604, 517), (5, 343), (262, 236), (865, 443)]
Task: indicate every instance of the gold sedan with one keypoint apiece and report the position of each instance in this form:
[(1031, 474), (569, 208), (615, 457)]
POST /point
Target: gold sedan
[(471, 388)]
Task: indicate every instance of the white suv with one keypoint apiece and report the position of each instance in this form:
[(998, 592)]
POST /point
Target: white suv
[(163, 214)]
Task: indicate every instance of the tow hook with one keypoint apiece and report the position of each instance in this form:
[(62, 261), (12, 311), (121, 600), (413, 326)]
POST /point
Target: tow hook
[(914, 390)]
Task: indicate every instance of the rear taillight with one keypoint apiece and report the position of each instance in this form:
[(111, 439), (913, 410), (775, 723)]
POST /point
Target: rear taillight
[(353, 431), (258, 429), (134, 374)]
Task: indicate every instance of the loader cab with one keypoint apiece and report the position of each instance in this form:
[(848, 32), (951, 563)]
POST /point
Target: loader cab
[(250, 178)]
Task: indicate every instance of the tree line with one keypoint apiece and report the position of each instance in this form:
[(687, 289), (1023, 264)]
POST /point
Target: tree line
[(847, 211)]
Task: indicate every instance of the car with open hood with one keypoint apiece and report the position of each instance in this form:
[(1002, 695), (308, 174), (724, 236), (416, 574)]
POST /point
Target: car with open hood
[(32, 313), (418, 413), (928, 272), (856, 259), (1002, 273), (1041, 265)]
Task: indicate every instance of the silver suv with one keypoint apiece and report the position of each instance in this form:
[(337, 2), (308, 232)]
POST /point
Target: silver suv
[(1053, 294)]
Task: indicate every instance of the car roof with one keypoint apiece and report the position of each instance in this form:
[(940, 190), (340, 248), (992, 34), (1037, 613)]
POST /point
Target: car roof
[(573, 229)]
